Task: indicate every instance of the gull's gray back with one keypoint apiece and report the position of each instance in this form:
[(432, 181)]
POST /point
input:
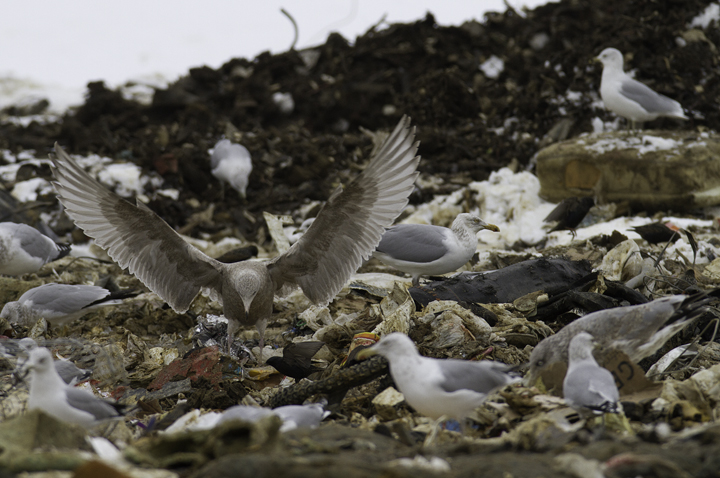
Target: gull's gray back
[(414, 242), (482, 377), (85, 401), (651, 101), (588, 385), (63, 298)]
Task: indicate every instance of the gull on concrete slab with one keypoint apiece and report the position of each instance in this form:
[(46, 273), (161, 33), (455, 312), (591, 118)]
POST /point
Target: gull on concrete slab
[(629, 98)]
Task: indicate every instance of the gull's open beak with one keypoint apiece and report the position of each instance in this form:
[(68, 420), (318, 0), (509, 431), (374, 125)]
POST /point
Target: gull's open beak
[(492, 227), (366, 353)]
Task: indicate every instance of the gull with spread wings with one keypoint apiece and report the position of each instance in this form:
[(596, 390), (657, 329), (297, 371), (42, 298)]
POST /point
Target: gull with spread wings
[(346, 232)]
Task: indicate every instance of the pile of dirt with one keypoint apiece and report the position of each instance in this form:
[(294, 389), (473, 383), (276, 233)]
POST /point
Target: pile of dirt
[(469, 124)]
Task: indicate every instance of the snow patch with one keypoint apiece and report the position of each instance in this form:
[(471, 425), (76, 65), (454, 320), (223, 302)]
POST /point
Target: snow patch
[(710, 14), (29, 190)]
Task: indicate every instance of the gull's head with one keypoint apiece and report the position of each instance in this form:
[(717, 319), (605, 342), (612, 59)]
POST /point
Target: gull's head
[(580, 347), (220, 152), (474, 223), (27, 344), (40, 360), (391, 346), (611, 58), (547, 352), (10, 311), (248, 283)]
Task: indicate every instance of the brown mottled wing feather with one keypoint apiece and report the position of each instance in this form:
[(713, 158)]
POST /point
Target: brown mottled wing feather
[(351, 223), (134, 236)]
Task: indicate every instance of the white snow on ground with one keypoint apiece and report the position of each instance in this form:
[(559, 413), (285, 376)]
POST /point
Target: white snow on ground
[(644, 144), (711, 13), (29, 190), (511, 201)]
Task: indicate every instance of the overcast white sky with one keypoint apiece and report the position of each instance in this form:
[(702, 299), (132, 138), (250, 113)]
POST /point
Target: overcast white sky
[(63, 45)]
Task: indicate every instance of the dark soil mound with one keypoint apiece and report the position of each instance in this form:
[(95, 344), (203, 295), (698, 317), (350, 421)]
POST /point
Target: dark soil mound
[(469, 124)]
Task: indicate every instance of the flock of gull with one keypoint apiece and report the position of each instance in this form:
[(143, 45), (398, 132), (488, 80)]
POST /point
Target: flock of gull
[(355, 223)]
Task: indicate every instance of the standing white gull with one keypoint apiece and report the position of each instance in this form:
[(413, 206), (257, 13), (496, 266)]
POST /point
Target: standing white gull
[(24, 249), (346, 231), (68, 371), (422, 249), (231, 163), (439, 388), (588, 388), (629, 98), (59, 304), (49, 393)]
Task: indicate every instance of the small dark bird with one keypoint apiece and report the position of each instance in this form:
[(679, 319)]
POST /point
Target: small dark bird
[(296, 361), (569, 213), (656, 233), (239, 254)]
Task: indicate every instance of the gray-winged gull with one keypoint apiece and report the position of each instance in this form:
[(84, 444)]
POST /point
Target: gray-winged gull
[(422, 249), (439, 388), (68, 371), (49, 393), (59, 304), (24, 249), (588, 388), (346, 231), (293, 416), (231, 163), (629, 98), (301, 416), (638, 330)]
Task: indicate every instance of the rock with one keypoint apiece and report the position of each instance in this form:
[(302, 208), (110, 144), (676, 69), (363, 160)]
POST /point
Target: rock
[(38, 442), (388, 403), (652, 170)]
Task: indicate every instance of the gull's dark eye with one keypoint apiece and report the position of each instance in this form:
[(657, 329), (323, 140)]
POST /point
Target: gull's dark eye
[(540, 363)]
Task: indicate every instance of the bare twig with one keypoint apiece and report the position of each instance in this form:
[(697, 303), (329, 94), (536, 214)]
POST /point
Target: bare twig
[(295, 27)]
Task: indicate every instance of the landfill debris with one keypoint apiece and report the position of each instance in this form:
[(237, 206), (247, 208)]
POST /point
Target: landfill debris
[(510, 120)]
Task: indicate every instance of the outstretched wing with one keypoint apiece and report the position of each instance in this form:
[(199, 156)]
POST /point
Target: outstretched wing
[(134, 236), (351, 223)]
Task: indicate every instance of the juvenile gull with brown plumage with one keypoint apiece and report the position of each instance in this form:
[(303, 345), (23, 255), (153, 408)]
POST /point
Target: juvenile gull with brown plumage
[(637, 330), (346, 231)]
